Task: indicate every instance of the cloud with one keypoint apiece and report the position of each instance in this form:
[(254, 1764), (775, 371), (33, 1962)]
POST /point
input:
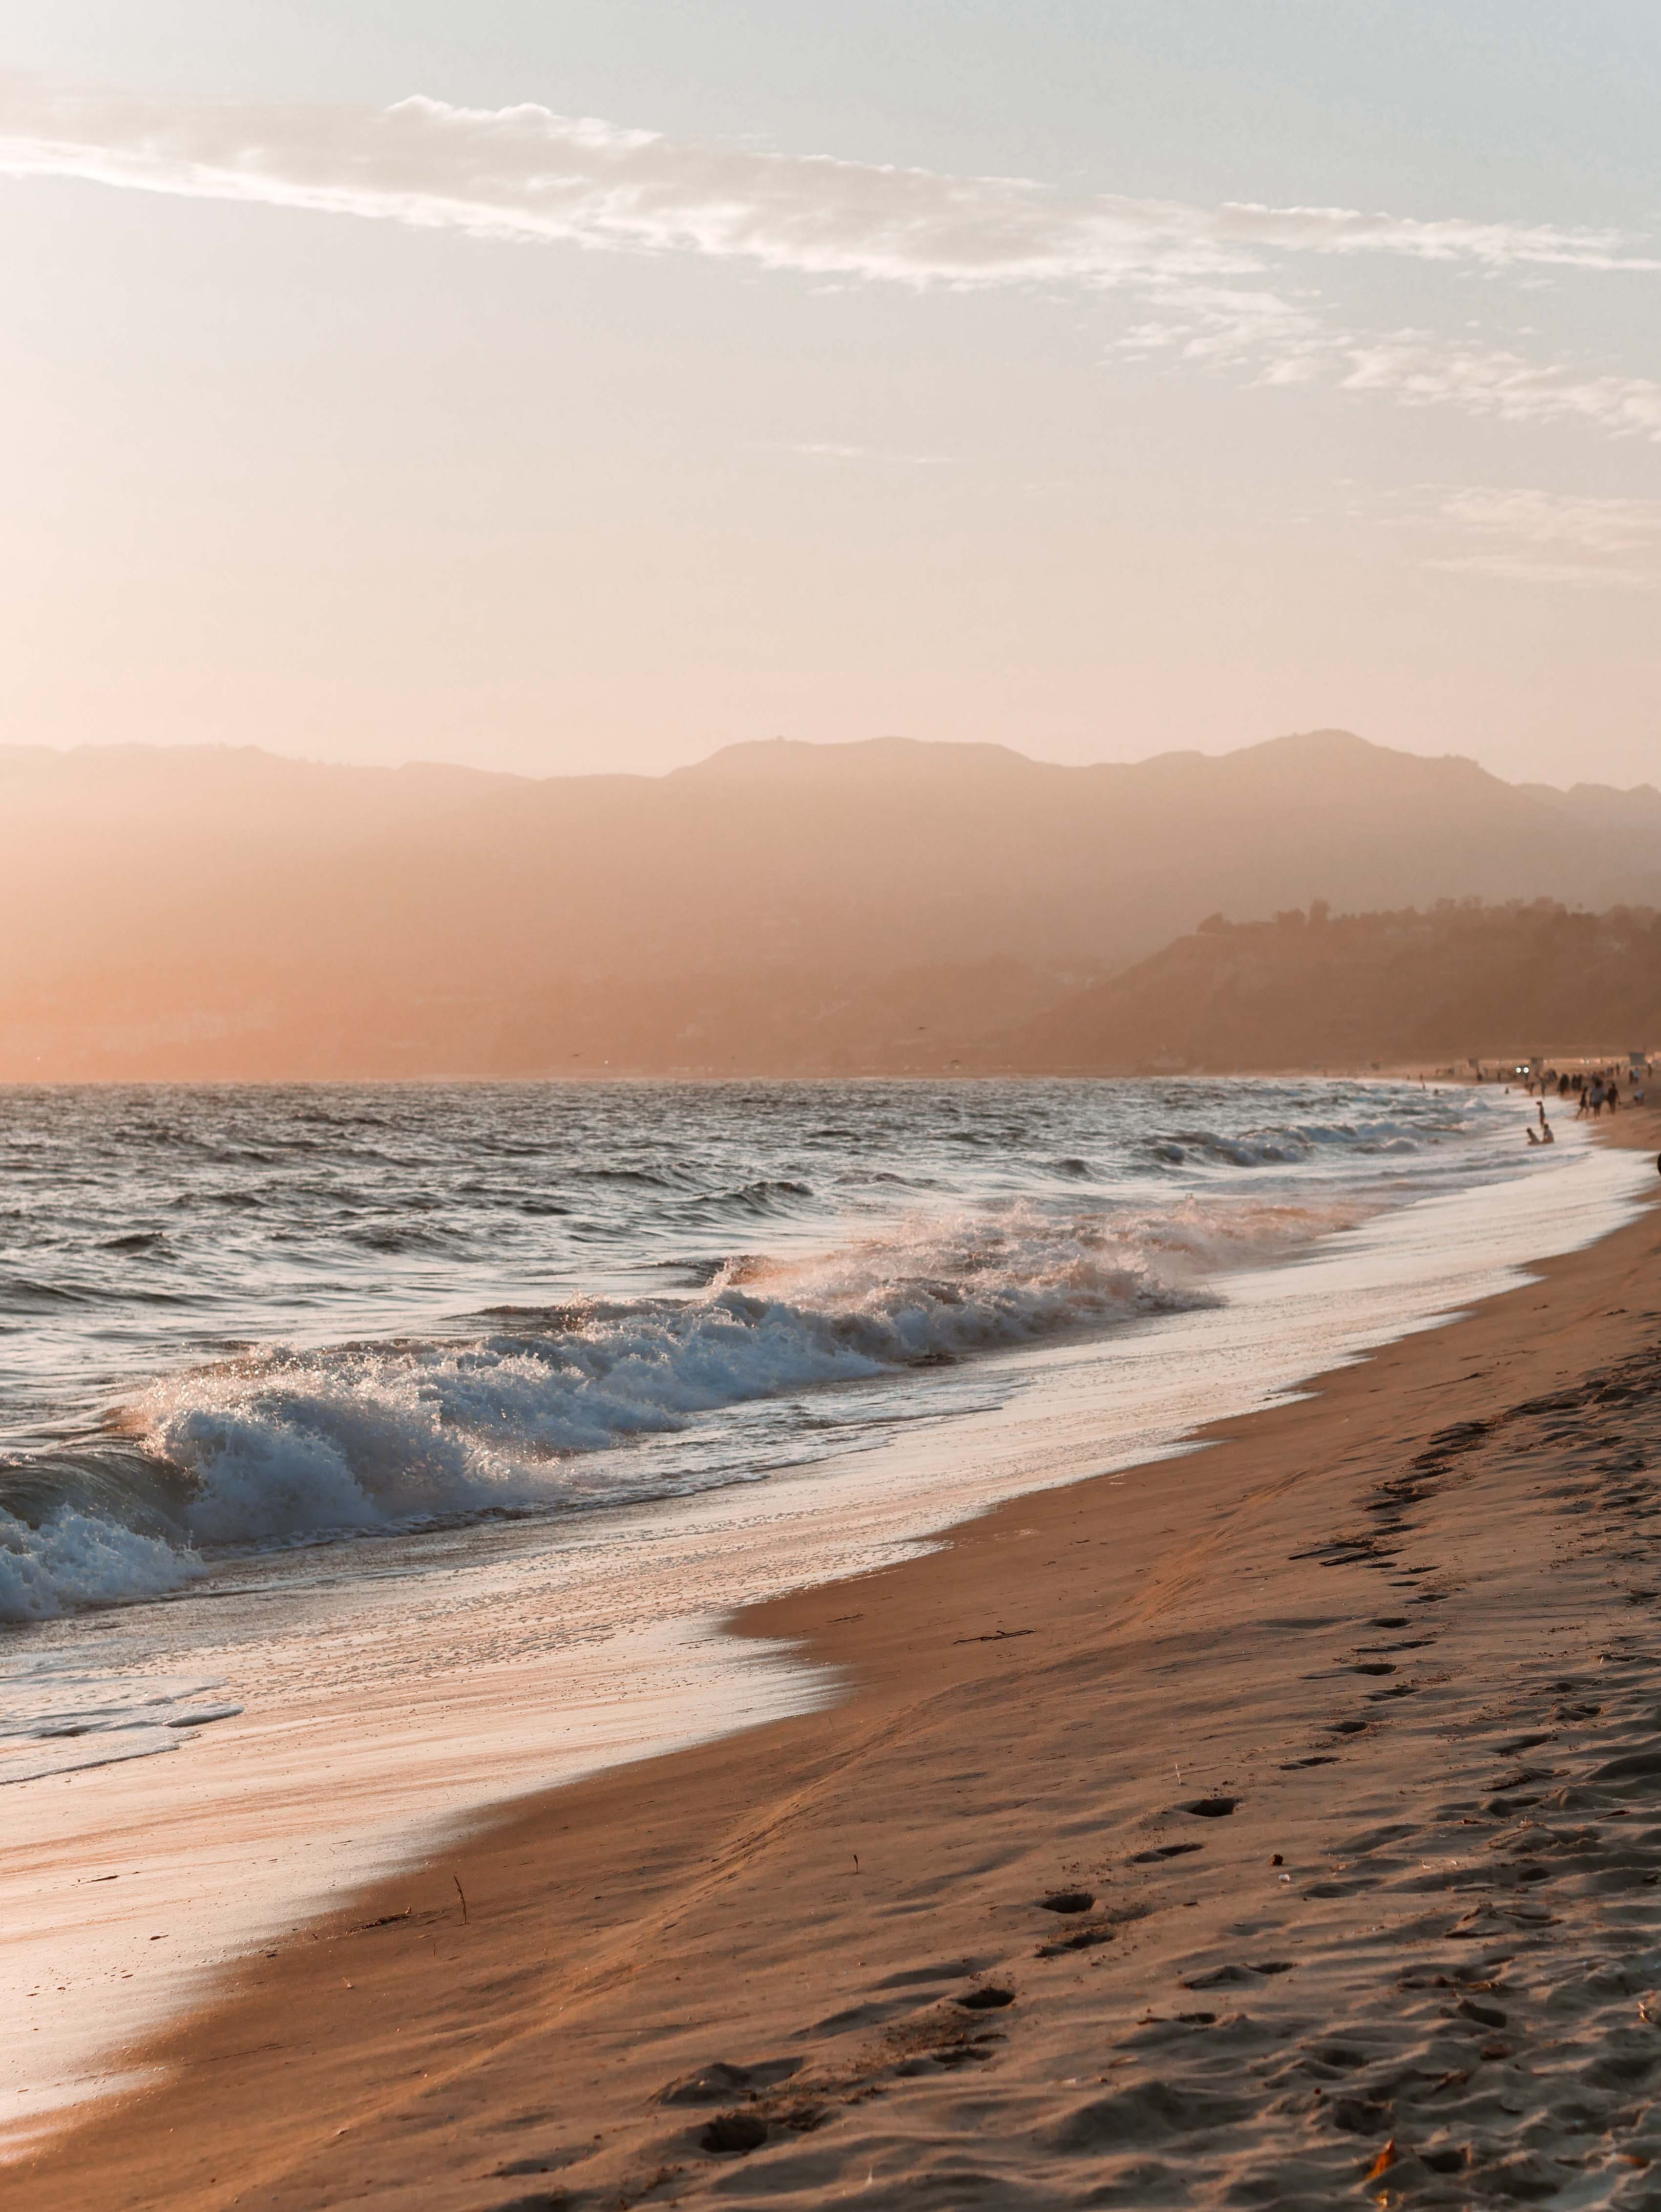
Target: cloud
[(1542, 518), (527, 172), (1421, 371), (1259, 332), (1529, 536), (1211, 283), (1281, 342), (1519, 569)]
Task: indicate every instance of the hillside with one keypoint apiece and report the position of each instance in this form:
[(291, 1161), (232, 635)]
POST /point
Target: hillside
[(1460, 982), (780, 908)]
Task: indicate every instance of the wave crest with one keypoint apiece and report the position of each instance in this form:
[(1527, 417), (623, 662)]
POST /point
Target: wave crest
[(299, 1447)]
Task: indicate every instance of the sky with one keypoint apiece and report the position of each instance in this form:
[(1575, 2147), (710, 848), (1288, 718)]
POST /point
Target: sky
[(564, 386)]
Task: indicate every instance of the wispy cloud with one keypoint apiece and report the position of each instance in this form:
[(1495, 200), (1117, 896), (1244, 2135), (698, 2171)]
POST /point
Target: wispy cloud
[(1283, 342), (1421, 371), (1212, 279), (1590, 523), (1530, 535), (527, 172), (1523, 568)]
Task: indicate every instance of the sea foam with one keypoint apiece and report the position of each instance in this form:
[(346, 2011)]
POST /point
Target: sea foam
[(525, 1415)]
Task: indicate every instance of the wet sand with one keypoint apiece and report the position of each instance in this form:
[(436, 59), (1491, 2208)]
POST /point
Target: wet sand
[(1224, 1832)]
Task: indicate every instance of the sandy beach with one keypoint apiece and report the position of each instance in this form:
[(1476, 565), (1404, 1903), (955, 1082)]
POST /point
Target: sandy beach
[(830, 1255), (1239, 1830)]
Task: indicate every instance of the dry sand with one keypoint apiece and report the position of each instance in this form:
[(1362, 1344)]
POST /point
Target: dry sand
[(1278, 1826)]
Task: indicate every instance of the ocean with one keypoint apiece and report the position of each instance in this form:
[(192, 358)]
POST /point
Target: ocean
[(371, 1454), (239, 1321)]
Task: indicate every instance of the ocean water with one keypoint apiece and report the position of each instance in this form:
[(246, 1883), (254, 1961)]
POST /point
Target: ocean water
[(237, 1320), (369, 1456)]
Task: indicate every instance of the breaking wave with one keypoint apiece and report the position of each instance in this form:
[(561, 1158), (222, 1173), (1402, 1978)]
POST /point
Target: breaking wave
[(527, 1411)]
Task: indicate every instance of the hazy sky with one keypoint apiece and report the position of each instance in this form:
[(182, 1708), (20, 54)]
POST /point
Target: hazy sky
[(576, 384)]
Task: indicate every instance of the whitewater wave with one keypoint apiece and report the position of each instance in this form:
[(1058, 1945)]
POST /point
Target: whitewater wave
[(72, 1558), (526, 1415)]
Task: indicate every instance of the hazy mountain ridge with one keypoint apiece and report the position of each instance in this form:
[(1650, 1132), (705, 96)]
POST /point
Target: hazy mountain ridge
[(203, 912), (1462, 981)]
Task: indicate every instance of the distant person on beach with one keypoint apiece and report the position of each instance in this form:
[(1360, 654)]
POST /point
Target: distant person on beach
[(1612, 1095)]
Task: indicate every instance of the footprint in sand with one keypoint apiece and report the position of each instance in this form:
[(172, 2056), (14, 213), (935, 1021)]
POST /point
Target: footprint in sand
[(733, 2135), (1082, 1939), (987, 1998)]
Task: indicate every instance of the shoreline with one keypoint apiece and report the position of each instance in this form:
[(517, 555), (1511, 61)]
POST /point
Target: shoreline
[(968, 1646)]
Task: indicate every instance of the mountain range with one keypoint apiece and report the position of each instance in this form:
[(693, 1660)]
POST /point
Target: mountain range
[(779, 908)]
